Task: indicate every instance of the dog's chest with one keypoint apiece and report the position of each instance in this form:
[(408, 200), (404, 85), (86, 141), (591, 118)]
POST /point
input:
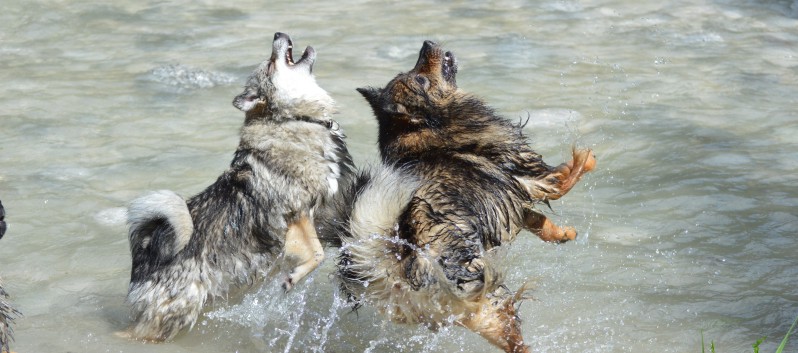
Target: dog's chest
[(308, 153)]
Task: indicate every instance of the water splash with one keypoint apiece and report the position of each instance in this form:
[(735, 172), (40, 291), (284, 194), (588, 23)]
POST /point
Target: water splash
[(186, 77)]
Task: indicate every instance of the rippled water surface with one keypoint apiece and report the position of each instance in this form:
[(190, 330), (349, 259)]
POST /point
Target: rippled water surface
[(688, 225)]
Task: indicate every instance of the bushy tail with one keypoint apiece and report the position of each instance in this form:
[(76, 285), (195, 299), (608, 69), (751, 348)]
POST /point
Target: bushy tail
[(165, 295), (147, 216), (381, 197), (370, 236)]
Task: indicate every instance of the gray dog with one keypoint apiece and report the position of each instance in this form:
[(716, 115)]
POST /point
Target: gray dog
[(286, 181)]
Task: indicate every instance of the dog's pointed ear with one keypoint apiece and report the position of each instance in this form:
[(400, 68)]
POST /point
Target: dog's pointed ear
[(246, 100), (372, 96)]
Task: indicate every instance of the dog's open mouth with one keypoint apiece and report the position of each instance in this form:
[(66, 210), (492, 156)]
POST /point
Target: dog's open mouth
[(289, 54), (449, 67), (431, 55), (284, 44)]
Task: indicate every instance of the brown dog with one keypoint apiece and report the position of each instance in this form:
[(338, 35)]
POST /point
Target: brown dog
[(457, 181)]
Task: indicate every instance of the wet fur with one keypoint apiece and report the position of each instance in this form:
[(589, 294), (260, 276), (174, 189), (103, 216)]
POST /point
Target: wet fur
[(7, 312), (7, 316), (282, 187), (457, 181)]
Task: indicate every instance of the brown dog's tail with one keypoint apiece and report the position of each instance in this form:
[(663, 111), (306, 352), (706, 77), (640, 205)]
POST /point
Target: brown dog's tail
[(381, 196)]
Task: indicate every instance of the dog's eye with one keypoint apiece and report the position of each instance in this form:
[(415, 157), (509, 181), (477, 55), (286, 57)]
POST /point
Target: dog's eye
[(421, 80), (254, 94)]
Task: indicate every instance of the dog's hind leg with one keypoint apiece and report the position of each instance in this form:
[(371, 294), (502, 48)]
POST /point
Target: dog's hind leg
[(557, 181), (167, 302), (302, 246), (568, 174), (495, 320), (546, 229)]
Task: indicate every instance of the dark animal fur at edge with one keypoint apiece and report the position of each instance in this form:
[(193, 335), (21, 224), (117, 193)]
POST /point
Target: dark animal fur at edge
[(7, 312)]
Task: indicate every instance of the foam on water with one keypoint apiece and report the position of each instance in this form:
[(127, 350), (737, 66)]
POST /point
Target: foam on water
[(185, 77)]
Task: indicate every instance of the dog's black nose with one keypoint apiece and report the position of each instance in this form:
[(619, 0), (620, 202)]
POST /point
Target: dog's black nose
[(279, 35), (428, 44)]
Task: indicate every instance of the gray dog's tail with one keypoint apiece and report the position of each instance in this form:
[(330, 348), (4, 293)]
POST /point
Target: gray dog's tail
[(165, 295), (148, 214)]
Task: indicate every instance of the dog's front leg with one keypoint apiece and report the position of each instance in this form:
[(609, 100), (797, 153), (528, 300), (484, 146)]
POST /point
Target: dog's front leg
[(303, 248), (544, 228)]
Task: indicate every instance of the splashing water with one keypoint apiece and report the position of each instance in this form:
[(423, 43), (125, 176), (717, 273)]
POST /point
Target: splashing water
[(185, 77)]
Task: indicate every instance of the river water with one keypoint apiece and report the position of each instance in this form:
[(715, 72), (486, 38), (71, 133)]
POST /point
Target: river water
[(688, 226)]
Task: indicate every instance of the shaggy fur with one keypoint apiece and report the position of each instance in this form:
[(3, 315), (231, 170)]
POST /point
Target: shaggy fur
[(7, 312), (423, 234), (7, 316), (285, 181)]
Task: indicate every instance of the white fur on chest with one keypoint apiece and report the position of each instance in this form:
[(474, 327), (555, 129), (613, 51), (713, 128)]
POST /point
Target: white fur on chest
[(299, 94)]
